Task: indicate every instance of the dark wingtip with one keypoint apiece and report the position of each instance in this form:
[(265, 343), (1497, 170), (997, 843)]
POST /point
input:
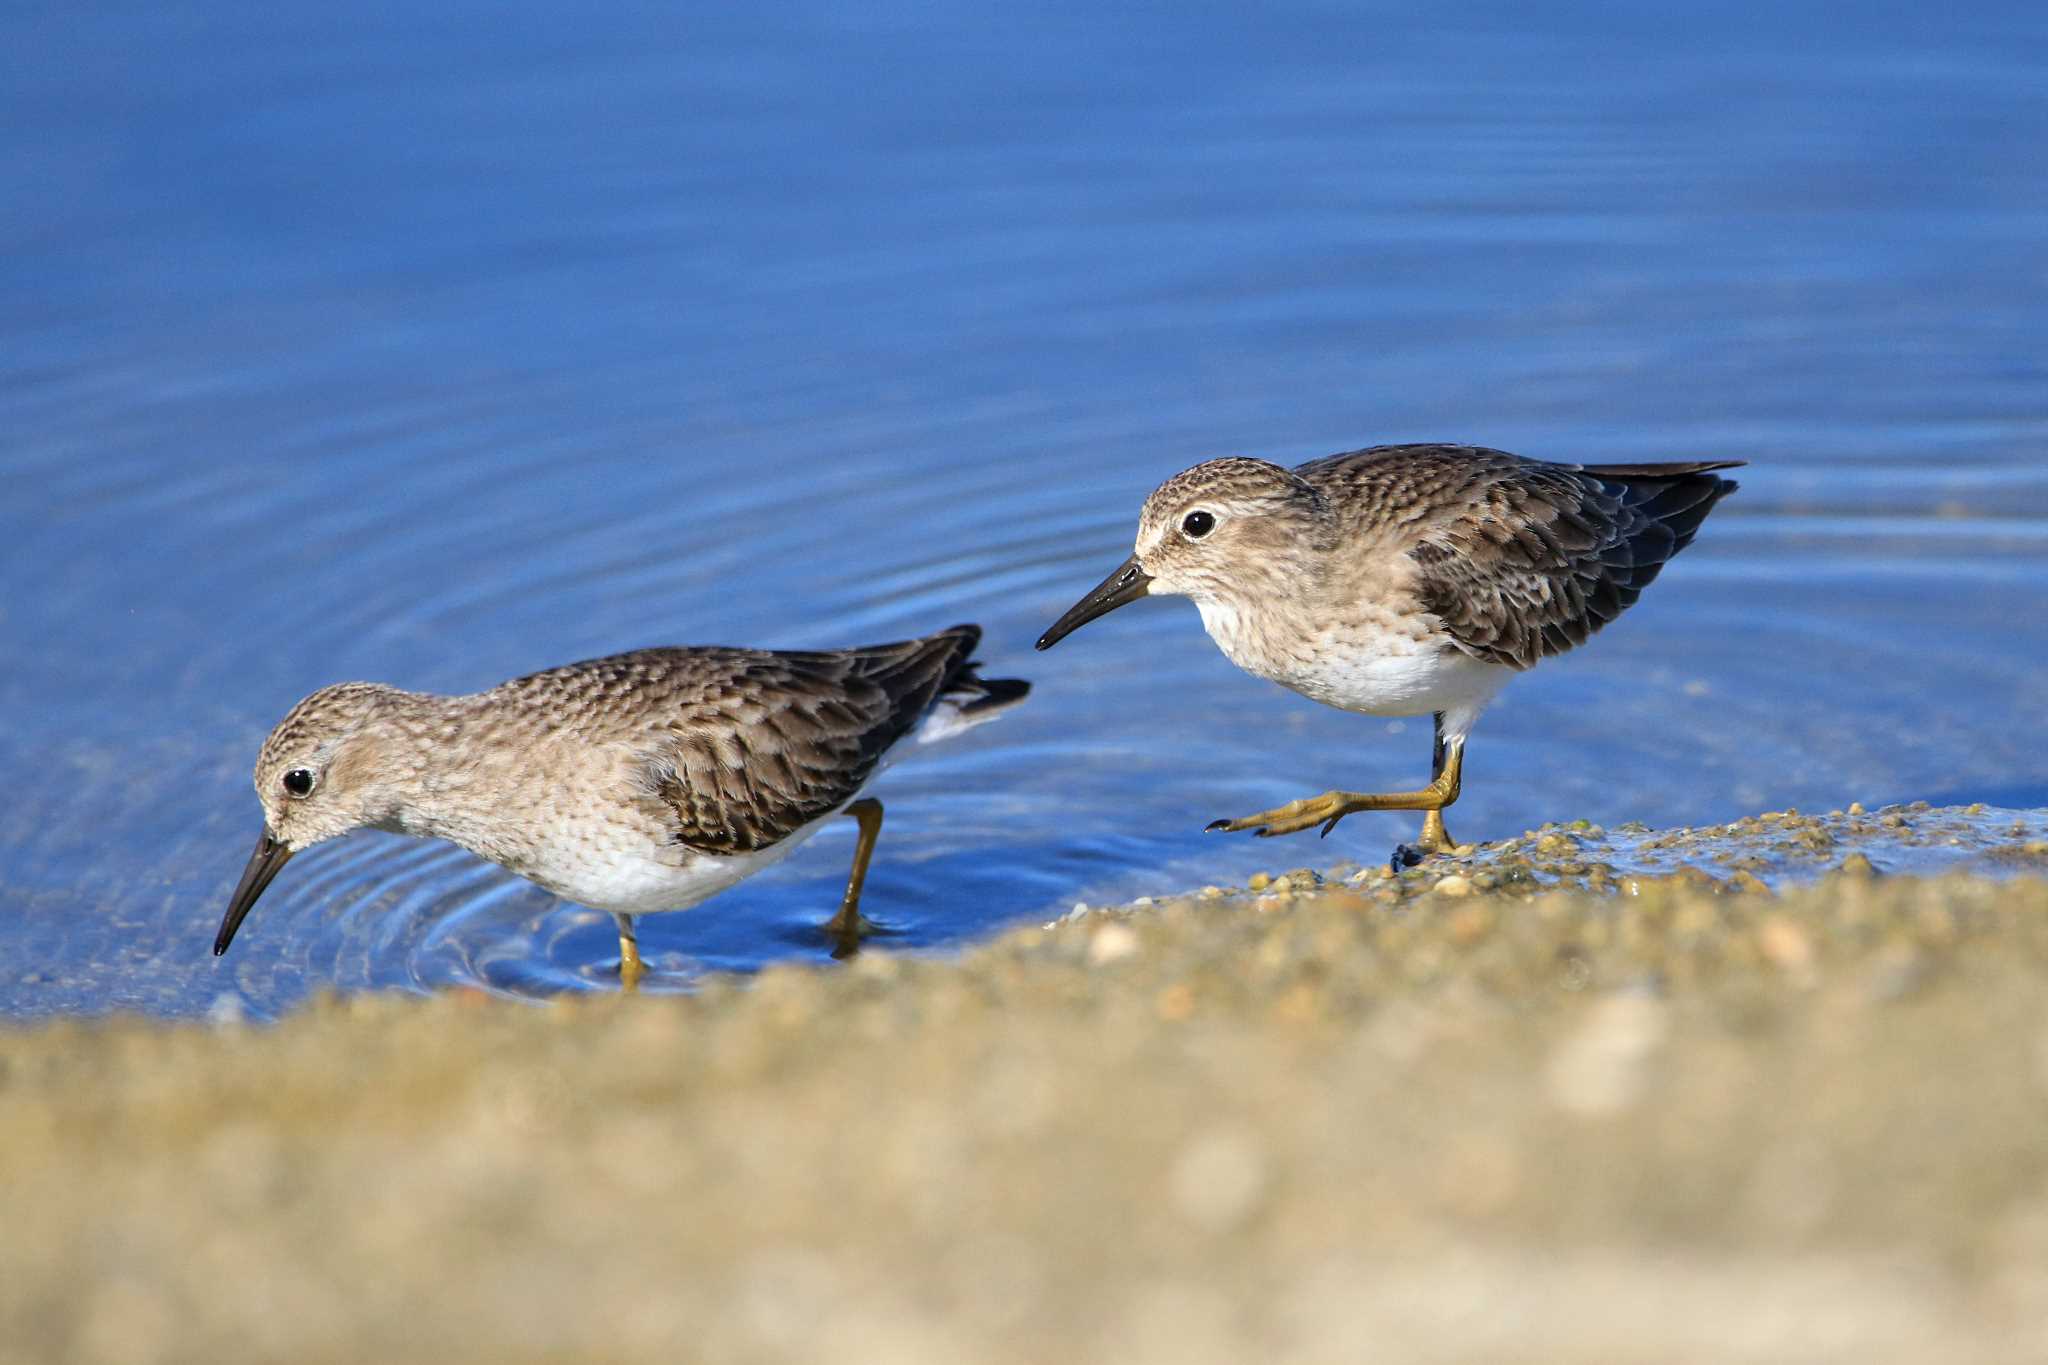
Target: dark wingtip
[(1652, 473), (999, 692)]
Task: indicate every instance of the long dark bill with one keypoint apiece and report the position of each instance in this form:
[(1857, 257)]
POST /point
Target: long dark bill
[(1129, 583), (264, 863)]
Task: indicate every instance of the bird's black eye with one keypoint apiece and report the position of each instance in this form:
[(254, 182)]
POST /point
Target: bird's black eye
[(1195, 525), (299, 781)]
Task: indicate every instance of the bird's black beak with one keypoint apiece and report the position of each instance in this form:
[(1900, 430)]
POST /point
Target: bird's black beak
[(1129, 583), (264, 863)]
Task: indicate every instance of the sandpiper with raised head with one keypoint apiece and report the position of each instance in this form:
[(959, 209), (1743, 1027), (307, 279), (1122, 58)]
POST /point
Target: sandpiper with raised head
[(1404, 580), (636, 783)]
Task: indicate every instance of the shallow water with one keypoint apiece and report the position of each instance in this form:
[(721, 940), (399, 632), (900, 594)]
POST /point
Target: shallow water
[(437, 347)]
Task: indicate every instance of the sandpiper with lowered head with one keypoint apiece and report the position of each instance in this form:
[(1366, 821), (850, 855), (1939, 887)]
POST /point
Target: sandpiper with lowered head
[(636, 783), (1404, 580)]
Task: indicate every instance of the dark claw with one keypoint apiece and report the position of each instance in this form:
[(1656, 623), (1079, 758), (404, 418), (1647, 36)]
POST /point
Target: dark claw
[(1330, 825), (1216, 825), (1405, 857)]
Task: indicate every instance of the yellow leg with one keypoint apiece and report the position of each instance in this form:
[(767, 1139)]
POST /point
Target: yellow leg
[(1326, 810), (631, 968), (1435, 838), (849, 927)]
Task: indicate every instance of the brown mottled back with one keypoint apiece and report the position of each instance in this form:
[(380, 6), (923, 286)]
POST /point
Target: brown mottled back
[(745, 746), (1520, 559)]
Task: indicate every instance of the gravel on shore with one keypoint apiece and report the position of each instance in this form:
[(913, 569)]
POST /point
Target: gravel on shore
[(1326, 1119)]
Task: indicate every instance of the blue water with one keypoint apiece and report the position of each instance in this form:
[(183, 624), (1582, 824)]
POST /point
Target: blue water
[(436, 344)]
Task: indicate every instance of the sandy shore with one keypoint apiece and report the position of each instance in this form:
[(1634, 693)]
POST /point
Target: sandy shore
[(1384, 1118)]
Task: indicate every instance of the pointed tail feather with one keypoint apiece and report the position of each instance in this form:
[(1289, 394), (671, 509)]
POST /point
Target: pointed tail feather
[(966, 699)]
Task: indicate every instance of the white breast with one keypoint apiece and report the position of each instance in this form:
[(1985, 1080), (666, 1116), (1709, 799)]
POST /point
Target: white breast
[(1376, 667)]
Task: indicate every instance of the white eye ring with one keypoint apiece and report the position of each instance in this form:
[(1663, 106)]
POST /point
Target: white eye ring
[(1197, 524), (298, 782)]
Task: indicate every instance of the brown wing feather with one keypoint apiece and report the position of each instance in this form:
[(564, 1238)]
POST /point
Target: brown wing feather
[(1525, 559), (774, 740)]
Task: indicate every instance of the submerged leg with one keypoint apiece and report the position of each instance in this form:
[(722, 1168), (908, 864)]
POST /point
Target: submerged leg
[(848, 927), (630, 966), (1326, 810)]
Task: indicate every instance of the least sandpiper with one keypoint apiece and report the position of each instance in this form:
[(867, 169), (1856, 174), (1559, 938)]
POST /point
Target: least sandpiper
[(1404, 580), (635, 783)]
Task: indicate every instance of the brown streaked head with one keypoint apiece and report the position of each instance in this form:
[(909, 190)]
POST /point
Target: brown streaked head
[(328, 768), (1224, 530)]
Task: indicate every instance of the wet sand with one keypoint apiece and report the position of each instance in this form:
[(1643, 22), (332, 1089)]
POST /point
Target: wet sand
[(1338, 1116)]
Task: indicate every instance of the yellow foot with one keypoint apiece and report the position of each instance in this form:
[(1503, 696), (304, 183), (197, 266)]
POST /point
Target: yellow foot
[(1435, 838), (1326, 810)]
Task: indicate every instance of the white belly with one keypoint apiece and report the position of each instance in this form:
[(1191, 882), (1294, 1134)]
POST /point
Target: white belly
[(1413, 683), (1376, 668), (627, 873)]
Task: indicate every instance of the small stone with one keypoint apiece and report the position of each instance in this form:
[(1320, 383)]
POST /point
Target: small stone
[(1785, 946), (1695, 878), (1857, 865), (1112, 943), (1453, 885), (1856, 808), (1259, 881)]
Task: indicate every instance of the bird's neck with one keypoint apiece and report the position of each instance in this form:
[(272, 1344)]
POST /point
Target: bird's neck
[(1261, 619), (455, 787)]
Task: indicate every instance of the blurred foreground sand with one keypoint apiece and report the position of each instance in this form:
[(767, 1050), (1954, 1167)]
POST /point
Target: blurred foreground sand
[(1677, 1125)]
